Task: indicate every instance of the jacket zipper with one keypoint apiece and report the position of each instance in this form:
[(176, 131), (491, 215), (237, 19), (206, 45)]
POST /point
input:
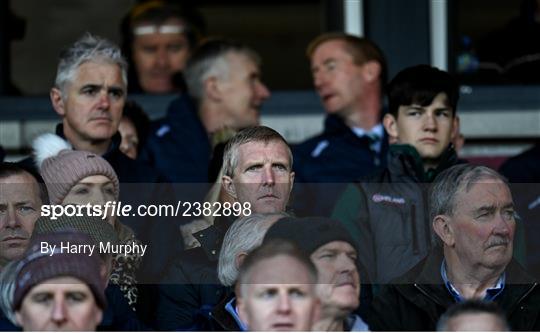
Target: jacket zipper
[(523, 297), (427, 226), (416, 249), (425, 293)]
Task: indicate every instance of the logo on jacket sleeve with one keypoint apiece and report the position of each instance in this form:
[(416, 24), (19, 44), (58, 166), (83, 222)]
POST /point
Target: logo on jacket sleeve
[(377, 197), (319, 149)]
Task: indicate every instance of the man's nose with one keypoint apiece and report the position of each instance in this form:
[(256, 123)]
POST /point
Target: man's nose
[(262, 91), (319, 80), (11, 218), (162, 58), (58, 314), (430, 123), (268, 176), (284, 305), (345, 263), (503, 224), (104, 100)]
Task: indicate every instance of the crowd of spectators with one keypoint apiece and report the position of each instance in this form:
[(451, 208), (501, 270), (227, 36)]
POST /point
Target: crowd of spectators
[(374, 224)]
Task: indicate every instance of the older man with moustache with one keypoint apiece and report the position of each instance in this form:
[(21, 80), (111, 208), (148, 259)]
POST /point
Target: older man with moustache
[(474, 220)]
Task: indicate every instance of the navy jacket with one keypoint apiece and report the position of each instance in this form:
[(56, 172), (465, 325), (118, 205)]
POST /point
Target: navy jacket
[(189, 293), (523, 172), (127, 170), (325, 163), (178, 145), (191, 289), (523, 168), (6, 325)]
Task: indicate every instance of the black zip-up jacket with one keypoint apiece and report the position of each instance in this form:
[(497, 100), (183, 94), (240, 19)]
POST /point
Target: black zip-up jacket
[(387, 213), (415, 301)]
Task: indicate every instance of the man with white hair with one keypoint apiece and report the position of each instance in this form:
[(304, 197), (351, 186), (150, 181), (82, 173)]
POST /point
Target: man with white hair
[(192, 296), (473, 217), (244, 235), (225, 93)]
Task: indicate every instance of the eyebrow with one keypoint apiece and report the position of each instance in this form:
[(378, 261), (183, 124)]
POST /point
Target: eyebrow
[(491, 208), (324, 63), (329, 60), (22, 203), (100, 86), (420, 107), (487, 208), (254, 75), (92, 85)]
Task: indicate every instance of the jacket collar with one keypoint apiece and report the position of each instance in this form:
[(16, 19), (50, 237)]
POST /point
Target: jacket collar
[(334, 124), (405, 160), (223, 317), (182, 107), (429, 283), (211, 238), (114, 146)]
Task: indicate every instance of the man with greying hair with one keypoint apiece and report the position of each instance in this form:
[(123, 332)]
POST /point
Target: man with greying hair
[(193, 294), (225, 93), (473, 216), (89, 92), (276, 290), (89, 95), (257, 167), (244, 235)]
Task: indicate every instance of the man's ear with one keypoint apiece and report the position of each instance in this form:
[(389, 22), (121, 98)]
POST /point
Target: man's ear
[(371, 71), (229, 187), (239, 260), (390, 124), (455, 127), (18, 319), (443, 229), (291, 179), (57, 101), (212, 89)]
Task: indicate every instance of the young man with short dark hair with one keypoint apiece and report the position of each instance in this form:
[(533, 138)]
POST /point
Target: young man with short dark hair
[(387, 213)]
